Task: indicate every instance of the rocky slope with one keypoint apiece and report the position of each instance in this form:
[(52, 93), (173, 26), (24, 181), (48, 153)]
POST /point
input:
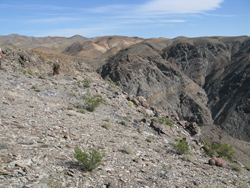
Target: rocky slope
[(42, 120), (205, 80)]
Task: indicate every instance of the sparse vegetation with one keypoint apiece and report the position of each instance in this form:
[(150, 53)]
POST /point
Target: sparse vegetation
[(181, 146), (74, 94), (84, 83), (107, 119), (188, 157), (70, 107), (113, 87), (36, 88), (164, 120), (218, 149), (83, 111), (130, 103), (236, 167), (106, 126), (166, 168), (90, 160), (140, 129), (127, 149), (25, 72), (125, 123), (150, 139), (91, 102)]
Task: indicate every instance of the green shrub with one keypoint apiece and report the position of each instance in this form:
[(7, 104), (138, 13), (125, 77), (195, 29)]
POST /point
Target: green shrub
[(36, 87), (106, 126), (181, 146), (150, 139), (236, 167), (30, 73), (107, 119), (89, 160), (164, 120), (83, 111), (70, 107), (188, 157), (92, 102), (130, 103), (84, 83), (220, 149)]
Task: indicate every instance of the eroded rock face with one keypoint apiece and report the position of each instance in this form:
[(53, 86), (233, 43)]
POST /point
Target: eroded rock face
[(142, 71), (228, 90), (201, 80)]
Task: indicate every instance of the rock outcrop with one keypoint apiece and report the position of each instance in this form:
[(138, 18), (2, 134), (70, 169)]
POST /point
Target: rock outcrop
[(202, 80)]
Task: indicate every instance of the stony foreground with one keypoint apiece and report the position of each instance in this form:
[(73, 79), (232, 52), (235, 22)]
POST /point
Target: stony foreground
[(39, 129)]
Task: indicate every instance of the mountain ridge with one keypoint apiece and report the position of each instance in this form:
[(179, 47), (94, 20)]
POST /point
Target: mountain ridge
[(203, 60)]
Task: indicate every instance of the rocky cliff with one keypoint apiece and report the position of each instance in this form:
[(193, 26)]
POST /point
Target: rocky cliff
[(205, 80)]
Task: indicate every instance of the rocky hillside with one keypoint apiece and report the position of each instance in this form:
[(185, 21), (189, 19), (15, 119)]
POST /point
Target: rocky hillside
[(101, 46), (205, 80), (43, 118)]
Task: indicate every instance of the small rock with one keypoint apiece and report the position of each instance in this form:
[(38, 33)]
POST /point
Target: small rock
[(20, 165), (136, 160), (109, 171), (68, 146)]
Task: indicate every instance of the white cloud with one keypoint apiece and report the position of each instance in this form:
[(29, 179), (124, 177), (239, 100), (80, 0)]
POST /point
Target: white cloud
[(52, 20), (111, 8), (173, 21), (180, 6)]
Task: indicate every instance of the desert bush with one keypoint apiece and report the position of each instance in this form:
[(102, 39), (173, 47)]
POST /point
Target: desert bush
[(130, 103), (220, 149), (113, 87), (36, 87), (70, 107), (124, 122), (108, 119), (84, 83), (89, 160), (236, 167), (74, 94), (188, 157), (127, 149), (164, 120), (83, 111), (106, 126), (140, 129), (181, 146), (91, 102), (150, 139)]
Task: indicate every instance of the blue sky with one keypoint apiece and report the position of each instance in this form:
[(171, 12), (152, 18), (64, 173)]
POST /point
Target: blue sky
[(142, 18)]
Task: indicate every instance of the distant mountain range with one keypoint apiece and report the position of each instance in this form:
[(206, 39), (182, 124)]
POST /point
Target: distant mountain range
[(75, 46)]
